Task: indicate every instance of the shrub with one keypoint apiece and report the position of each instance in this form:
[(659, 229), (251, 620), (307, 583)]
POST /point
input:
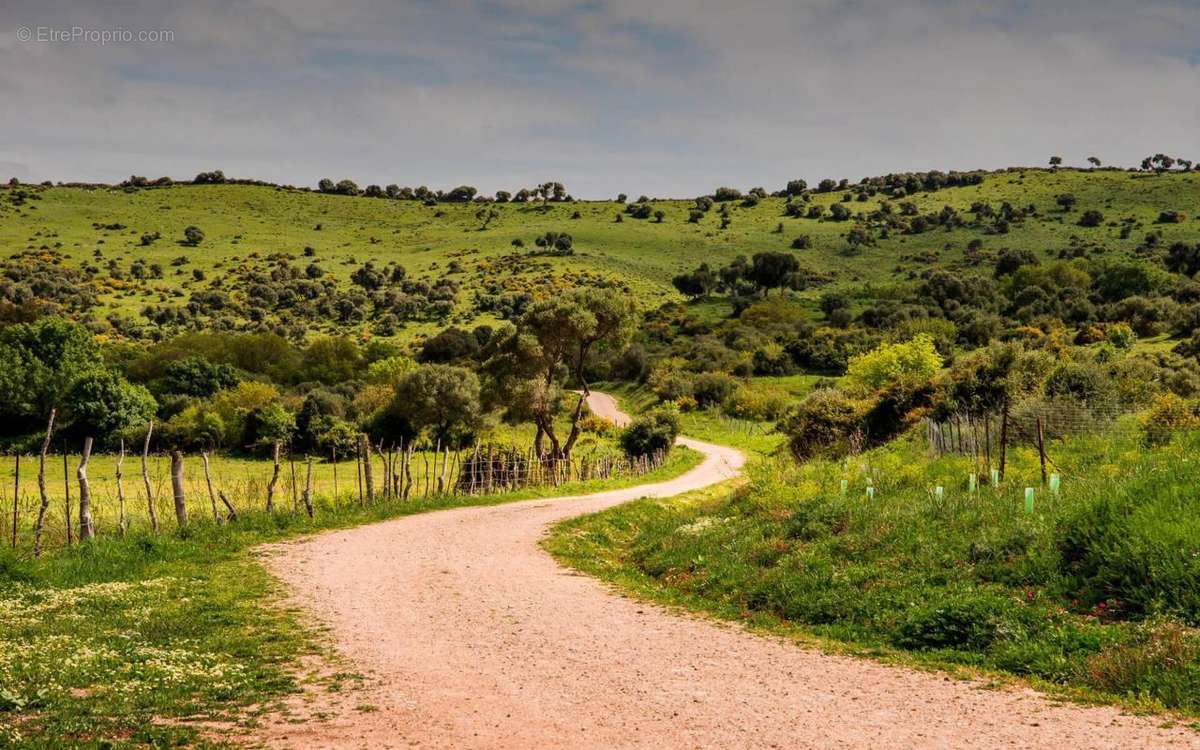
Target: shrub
[(967, 621), (827, 422), (762, 402), (1168, 414), (713, 388), (652, 432), (595, 425), (913, 361)]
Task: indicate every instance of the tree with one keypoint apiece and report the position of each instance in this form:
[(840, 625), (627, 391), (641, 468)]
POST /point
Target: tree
[(839, 212), (1055, 161), (325, 185), (796, 187), (697, 284), (893, 364), (102, 403), (1091, 218), (553, 341), (1093, 161), (503, 196), (659, 215), (451, 345), (557, 243), (197, 377), (192, 235), (1066, 201), (770, 270), (442, 400), (39, 362)]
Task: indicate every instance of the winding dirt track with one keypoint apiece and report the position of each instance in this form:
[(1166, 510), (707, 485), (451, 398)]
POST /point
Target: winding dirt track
[(472, 637)]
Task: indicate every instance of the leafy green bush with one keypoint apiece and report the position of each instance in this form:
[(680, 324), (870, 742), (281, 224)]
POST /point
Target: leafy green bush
[(828, 422), (654, 431), (713, 388)]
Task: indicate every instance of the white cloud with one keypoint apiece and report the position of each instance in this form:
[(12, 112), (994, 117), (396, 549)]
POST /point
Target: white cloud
[(671, 97)]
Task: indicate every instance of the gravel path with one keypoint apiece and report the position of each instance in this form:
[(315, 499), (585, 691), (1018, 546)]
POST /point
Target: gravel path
[(473, 637)]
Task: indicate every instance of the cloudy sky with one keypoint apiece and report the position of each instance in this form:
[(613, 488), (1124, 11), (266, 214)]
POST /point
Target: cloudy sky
[(663, 97)]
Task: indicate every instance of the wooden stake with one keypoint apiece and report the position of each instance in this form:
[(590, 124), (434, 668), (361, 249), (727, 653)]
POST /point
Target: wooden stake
[(274, 478), (41, 519), (16, 497), (67, 494), (212, 496), (146, 478), (368, 477), (292, 463), (181, 516), (308, 505), (335, 487), (87, 530), (1041, 449), (121, 521)]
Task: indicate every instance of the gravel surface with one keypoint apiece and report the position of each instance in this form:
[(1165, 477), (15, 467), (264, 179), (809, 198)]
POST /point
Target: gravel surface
[(471, 636)]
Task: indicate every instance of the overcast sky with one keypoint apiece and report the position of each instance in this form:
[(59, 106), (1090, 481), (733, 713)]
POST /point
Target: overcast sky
[(663, 97)]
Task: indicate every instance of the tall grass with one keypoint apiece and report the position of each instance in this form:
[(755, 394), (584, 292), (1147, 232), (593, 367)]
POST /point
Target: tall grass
[(148, 640), (1098, 588)]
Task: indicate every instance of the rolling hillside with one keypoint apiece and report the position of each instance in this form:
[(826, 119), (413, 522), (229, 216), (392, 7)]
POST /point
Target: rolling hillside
[(249, 231)]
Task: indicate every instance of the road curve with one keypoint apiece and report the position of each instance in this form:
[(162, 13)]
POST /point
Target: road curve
[(471, 636)]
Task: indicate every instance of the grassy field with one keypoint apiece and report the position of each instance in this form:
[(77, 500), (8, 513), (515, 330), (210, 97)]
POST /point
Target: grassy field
[(176, 639), (243, 225), (1086, 594)]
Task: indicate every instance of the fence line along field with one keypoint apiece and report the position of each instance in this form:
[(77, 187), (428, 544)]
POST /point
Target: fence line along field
[(235, 485)]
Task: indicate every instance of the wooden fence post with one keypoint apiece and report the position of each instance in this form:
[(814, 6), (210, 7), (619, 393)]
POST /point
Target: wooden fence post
[(16, 497), (364, 448), (1041, 449), (274, 478), (87, 530), (308, 505), (121, 522), (212, 496), (67, 494), (181, 516), (146, 478), (45, 498), (335, 486), (1003, 439)]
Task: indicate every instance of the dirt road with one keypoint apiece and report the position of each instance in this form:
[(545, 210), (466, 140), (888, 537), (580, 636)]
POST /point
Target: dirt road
[(472, 637)]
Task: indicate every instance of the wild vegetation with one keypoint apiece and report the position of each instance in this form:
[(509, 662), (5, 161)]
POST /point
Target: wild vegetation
[(919, 331)]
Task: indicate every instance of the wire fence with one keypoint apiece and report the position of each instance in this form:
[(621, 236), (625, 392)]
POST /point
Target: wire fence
[(124, 493), (1032, 422)]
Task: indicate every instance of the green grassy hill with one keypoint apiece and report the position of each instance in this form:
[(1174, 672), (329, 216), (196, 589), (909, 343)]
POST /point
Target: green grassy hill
[(250, 229)]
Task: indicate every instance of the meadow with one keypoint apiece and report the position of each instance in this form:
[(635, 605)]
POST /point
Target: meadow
[(244, 225), (1087, 591)]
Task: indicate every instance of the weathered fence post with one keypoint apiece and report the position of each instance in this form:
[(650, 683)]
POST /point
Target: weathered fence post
[(335, 486), (212, 496), (16, 497), (86, 529), (45, 498), (181, 517), (1004, 439), (1041, 449), (121, 522), (146, 478), (307, 496), (274, 477), (292, 465), (368, 475), (67, 494)]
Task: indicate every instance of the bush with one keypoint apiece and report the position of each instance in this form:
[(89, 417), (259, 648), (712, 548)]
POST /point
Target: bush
[(762, 402), (965, 621), (828, 422), (713, 388), (595, 425), (654, 431), (1167, 415)]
